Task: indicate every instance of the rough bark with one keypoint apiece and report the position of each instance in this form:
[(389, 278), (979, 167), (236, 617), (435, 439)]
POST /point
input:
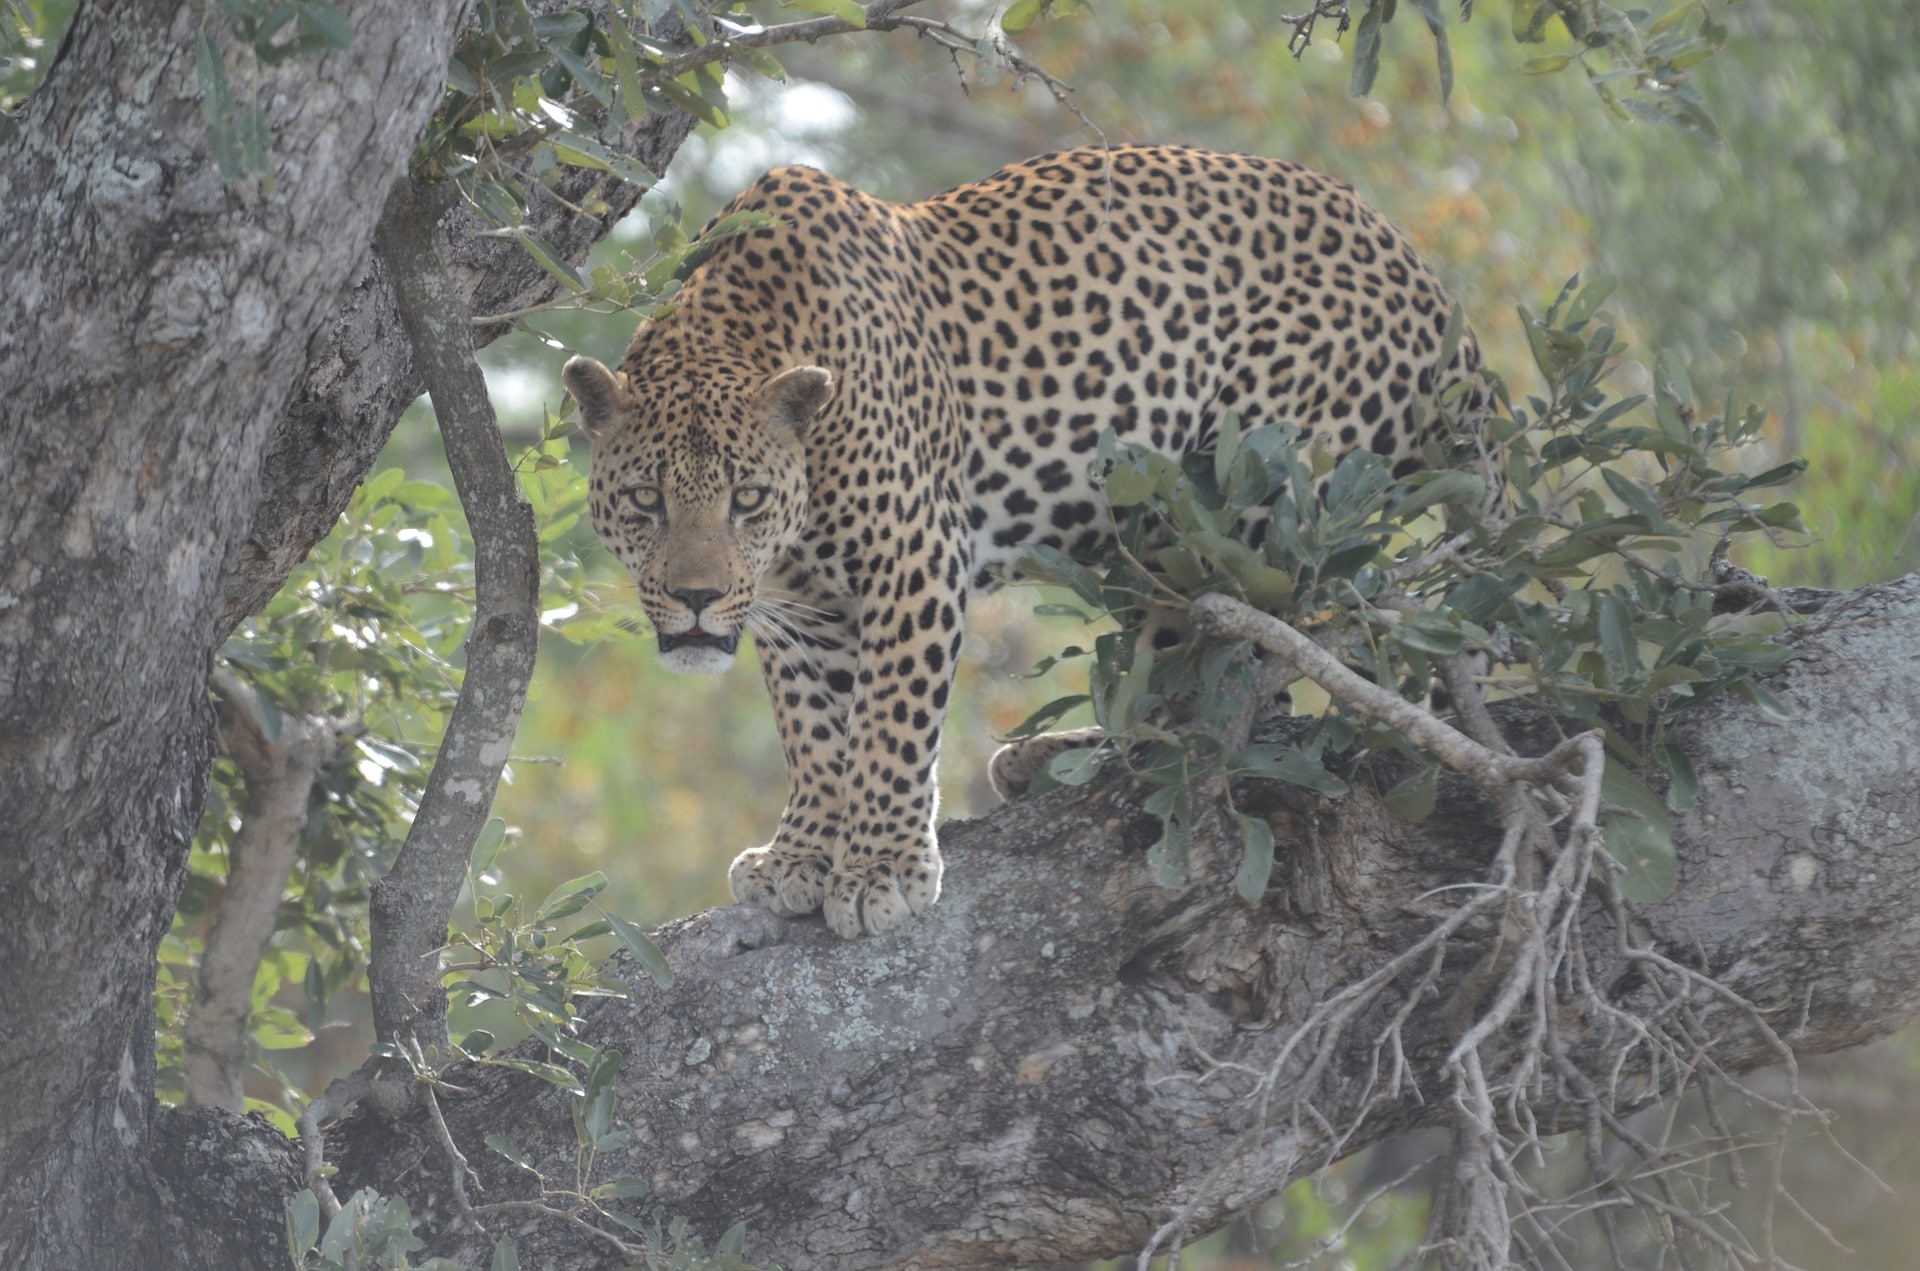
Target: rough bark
[(361, 371), (156, 315), (194, 375), (1061, 1057), (413, 903)]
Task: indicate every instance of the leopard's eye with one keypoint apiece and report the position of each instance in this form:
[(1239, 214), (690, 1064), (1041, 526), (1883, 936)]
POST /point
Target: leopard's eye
[(749, 498), (645, 499)]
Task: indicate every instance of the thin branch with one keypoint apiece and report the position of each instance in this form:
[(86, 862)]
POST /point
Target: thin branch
[(412, 904), (279, 775)]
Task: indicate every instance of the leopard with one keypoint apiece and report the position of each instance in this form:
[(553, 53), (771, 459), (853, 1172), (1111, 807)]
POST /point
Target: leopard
[(854, 417)]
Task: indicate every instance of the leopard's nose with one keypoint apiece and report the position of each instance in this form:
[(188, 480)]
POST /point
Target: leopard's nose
[(697, 598)]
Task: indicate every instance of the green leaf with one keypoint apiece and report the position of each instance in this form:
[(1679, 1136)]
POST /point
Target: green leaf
[(478, 1042), (1366, 49), (1129, 701), (1672, 17), (642, 950), (549, 259), (303, 1223), (625, 1188), (1020, 15), (563, 25), (1293, 765), (1077, 766), (846, 10), (584, 73), (506, 1255), (1049, 564), (461, 79), (325, 25), (1638, 835), (1546, 65), (1636, 496), (597, 1106), (732, 1242), (1430, 635), (626, 68), (1616, 632), (553, 1074), (761, 62), (571, 896), (1167, 858), (501, 1144), (1772, 707), (694, 104), (216, 105), (1256, 859), (487, 847), (1683, 787), (1451, 486), (1591, 297), (1413, 799), (1226, 449), (1128, 485)]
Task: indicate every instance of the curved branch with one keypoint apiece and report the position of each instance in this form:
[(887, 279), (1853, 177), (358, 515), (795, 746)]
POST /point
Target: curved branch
[(412, 904)]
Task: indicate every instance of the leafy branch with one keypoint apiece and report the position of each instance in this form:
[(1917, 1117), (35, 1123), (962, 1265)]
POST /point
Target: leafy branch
[(1551, 569)]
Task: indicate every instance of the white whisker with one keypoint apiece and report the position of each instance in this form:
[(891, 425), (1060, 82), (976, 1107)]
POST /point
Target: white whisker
[(776, 634)]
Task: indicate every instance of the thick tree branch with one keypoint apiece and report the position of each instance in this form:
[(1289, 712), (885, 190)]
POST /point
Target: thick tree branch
[(1063, 1060)]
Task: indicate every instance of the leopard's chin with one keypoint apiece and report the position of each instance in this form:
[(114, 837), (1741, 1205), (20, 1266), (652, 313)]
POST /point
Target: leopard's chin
[(698, 652)]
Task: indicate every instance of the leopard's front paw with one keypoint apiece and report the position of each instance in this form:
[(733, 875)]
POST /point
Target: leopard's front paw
[(789, 881), (873, 893)]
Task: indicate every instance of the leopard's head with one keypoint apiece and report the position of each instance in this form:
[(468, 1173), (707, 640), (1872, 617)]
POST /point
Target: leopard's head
[(699, 483)]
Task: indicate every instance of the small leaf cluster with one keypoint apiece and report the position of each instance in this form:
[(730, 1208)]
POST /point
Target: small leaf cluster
[(371, 1230), (367, 632), (553, 86), (524, 961), (1638, 61), (29, 32), (1547, 546), (519, 960)]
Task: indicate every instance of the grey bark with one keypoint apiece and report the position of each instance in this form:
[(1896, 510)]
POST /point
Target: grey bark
[(361, 372), (194, 375), (1017, 1078), (413, 903), (1057, 1060), (155, 317)]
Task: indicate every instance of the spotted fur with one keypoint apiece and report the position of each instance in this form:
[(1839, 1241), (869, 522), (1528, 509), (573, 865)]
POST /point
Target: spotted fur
[(848, 424)]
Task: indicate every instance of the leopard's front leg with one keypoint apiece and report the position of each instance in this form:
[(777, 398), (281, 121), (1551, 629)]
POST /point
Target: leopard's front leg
[(861, 698), (809, 660)]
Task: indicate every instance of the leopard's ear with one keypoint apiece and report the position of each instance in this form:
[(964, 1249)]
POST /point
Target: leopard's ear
[(598, 391), (792, 398)]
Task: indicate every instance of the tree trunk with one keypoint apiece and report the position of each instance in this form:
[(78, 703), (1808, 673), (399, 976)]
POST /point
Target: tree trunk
[(194, 376), (156, 316), (1061, 1058)]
